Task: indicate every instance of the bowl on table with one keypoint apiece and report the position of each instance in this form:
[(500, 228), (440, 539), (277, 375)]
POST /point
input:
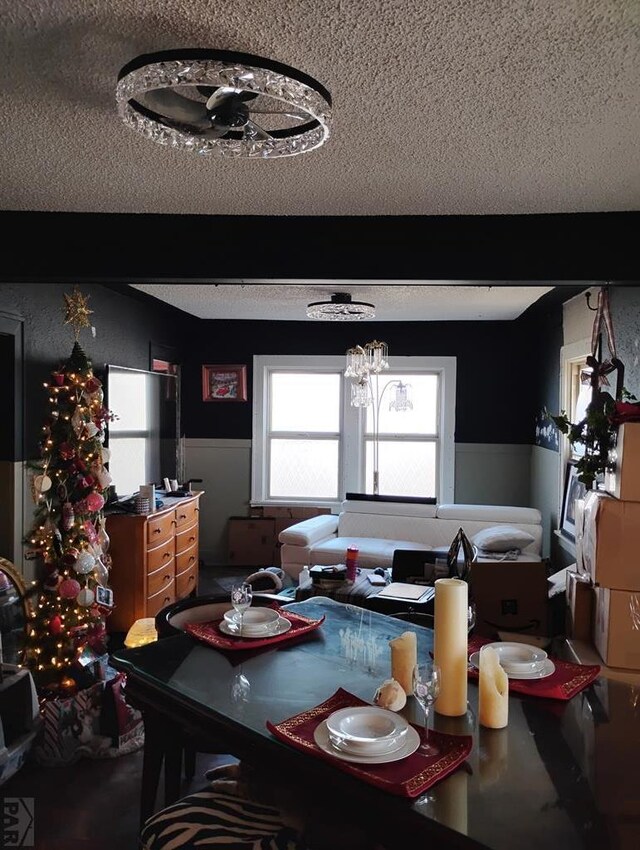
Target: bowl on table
[(367, 730), (255, 621), (519, 658)]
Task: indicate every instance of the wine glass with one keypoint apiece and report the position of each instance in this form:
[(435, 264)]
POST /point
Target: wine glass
[(426, 687), (241, 595), (471, 617)]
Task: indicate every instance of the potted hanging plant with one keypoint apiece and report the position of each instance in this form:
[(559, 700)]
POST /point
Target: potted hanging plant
[(597, 431)]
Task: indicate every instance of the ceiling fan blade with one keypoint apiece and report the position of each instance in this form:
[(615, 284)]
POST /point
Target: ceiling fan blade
[(169, 104), (299, 116), (254, 131), (217, 131)]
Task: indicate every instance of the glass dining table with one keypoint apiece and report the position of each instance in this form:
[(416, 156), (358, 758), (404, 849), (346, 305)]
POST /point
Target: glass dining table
[(561, 774)]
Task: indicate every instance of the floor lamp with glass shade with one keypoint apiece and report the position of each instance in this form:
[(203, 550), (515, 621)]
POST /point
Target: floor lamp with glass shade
[(365, 363)]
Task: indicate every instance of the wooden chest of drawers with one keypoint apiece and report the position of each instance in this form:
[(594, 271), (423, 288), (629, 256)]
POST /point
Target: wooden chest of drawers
[(154, 560)]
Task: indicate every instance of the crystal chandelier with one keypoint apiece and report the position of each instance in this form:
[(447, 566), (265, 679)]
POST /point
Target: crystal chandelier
[(223, 103), (364, 365), (341, 308)]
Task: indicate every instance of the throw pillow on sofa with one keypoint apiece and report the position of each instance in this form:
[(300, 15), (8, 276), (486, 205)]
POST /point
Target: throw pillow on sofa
[(502, 538)]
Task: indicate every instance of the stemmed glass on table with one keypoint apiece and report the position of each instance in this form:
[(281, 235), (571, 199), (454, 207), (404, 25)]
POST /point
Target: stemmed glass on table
[(426, 687), (241, 595)]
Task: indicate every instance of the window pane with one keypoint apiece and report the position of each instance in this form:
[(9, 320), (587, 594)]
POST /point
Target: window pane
[(127, 463), (405, 469), (305, 402), (128, 392), (304, 468), (422, 392)]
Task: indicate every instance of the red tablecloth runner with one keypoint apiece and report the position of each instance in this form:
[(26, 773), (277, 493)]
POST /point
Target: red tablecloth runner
[(564, 683), (210, 632), (408, 777)]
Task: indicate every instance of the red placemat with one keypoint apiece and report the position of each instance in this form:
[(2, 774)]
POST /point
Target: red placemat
[(565, 682), (210, 632), (408, 777)]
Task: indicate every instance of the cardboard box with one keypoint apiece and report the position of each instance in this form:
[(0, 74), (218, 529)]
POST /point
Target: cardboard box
[(579, 606), (510, 596), (251, 541), (610, 541), (622, 480), (616, 627)]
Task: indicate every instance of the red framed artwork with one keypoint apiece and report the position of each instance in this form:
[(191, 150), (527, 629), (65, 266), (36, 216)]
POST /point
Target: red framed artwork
[(224, 383)]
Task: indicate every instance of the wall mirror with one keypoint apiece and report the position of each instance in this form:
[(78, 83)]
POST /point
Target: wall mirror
[(14, 613)]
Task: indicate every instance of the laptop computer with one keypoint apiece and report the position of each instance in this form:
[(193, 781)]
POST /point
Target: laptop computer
[(418, 566)]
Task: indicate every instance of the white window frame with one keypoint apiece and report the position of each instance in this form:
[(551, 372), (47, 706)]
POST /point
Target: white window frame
[(352, 420)]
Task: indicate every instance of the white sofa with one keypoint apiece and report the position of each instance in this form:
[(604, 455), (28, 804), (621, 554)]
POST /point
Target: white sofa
[(378, 528)]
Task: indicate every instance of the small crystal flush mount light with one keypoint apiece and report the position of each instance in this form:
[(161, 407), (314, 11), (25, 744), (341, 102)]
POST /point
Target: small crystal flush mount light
[(341, 308), (223, 103)]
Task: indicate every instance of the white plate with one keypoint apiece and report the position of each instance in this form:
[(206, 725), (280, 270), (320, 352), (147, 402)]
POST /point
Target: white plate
[(343, 745), (256, 618), (519, 657), (281, 626), (366, 724), (411, 744), (548, 667)]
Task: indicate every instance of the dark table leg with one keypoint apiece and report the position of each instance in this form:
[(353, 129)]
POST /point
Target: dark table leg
[(154, 748), (172, 765)]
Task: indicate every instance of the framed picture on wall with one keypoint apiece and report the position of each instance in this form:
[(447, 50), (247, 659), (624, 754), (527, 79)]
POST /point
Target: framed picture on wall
[(224, 383), (573, 489)]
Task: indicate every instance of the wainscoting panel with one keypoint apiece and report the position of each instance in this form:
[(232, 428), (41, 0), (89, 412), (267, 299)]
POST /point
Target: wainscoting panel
[(225, 467)]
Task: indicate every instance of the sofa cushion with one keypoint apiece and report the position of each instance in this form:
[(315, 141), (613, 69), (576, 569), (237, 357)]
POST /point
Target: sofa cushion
[(490, 513), (308, 531), (502, 538), (372, 551)]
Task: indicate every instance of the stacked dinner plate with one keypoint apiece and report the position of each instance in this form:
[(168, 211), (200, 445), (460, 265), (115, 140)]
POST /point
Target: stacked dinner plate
[(256, 623), (519, 660), (367, 734)]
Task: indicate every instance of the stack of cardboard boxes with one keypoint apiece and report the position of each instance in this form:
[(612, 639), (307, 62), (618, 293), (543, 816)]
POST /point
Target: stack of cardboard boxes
[(605, 590), (253, 540)]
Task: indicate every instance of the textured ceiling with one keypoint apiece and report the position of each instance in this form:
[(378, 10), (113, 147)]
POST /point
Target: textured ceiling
[(508, 106), (394, 301)]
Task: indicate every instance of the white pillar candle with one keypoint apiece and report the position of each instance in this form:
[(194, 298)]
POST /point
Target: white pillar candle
[(404, 657), (450, 645), (493, 696)]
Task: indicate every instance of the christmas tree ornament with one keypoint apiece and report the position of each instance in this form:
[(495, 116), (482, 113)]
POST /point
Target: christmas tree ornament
[(92, 385), (91, 532), (66, 451), (91, 429), (55, 625), (94, 502), (86, 597), (69, 588), (42, 483), (77, 312), (58, 378), (105, 454), (101, 573), (51, 582), (103, 537), (104, 478), (68, 517), (85, 563), (77, 421), (70, 556), (50, 568)]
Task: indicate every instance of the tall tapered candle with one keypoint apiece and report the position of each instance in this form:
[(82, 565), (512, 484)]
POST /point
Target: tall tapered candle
[(404, 657), (450, 645), (493, 690)]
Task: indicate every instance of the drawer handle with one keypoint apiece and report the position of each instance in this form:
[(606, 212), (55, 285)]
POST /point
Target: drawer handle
[(167, 599), (166, 555), (191, 539), (182, 516), (157, 530), (166, 578), (192, 578), (192, 559)]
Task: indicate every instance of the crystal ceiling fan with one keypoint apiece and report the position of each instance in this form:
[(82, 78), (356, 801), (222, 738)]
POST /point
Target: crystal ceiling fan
[(223, 103)]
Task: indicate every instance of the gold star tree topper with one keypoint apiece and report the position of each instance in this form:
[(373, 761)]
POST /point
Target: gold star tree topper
[(77, 312)]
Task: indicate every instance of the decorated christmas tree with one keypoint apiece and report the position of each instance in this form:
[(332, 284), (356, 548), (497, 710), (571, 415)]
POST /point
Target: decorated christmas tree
[(72, 597)]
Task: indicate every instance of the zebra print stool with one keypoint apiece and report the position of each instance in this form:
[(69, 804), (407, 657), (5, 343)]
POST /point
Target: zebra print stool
[(214, 819)]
